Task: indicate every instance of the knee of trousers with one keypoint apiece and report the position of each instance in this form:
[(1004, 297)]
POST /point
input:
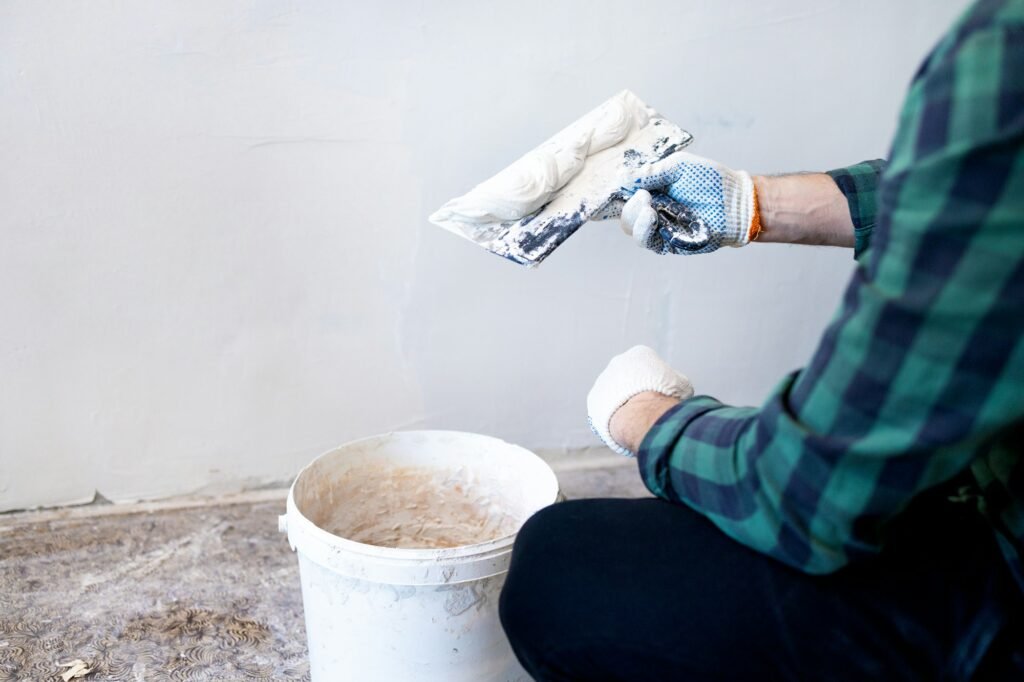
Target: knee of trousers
[(524, 596)]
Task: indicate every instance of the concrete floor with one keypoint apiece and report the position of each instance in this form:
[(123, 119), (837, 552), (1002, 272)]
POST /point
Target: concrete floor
[(183, 590)]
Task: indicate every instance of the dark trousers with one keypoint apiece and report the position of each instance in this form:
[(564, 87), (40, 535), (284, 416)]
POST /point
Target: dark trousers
[(616, 589)]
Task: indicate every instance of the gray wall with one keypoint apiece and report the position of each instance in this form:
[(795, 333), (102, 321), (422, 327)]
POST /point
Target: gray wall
[(215, 261)]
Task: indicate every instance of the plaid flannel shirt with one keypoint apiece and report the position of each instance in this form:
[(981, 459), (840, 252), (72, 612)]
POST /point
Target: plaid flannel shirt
[(920, 375)]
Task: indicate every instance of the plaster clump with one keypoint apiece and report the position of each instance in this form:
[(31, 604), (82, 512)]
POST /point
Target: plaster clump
[(528, 184)]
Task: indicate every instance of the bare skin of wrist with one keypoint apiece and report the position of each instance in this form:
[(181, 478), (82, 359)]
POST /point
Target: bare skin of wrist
[(803, 209), (631, 422)]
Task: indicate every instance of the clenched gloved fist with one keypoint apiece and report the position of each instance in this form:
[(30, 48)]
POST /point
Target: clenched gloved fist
[(637, 370), (686, 204)]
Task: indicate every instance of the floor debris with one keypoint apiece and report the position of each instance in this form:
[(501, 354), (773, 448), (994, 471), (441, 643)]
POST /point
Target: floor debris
[(75, 669)]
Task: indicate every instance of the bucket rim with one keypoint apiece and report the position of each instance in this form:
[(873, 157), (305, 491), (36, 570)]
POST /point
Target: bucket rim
[(405, 555)]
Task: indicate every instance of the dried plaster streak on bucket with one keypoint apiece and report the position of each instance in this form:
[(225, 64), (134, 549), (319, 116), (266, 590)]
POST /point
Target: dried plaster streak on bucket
[(406, 586)]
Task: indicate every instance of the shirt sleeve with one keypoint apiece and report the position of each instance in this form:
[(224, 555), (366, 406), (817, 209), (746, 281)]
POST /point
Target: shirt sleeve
[(922, 366), (859, 184)]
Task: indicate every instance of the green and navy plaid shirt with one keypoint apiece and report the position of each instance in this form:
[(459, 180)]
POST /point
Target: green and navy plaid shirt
[(920, 375)]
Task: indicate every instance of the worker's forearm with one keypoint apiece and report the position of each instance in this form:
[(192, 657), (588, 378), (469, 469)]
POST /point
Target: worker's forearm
[(634, 419), (803, 209)]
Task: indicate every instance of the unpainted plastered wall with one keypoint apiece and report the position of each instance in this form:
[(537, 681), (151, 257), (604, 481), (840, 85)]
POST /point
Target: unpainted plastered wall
[(215, 262)]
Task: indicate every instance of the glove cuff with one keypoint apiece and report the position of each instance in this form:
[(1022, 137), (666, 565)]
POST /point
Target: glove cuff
[(742, 216), (755, 221), (672, 389)]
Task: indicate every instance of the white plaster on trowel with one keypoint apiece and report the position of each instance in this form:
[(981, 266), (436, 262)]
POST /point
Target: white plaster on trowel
[(532, 181)]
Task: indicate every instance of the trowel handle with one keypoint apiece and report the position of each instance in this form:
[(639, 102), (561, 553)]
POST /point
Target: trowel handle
[(679, 226), (671, 210), (666, 207)]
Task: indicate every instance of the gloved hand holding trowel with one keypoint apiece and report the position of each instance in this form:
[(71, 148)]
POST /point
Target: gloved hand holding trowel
[(710, 206)]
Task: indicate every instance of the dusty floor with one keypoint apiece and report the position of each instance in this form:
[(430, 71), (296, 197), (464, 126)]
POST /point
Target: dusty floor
[(206, 592)]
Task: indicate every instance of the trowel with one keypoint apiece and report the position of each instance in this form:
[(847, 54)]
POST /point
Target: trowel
[(525, 212)]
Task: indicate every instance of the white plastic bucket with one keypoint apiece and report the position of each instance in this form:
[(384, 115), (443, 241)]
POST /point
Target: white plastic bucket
[(387, 613)]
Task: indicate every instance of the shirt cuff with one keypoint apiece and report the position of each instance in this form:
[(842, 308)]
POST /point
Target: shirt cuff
[(859, 184), (657, 445)]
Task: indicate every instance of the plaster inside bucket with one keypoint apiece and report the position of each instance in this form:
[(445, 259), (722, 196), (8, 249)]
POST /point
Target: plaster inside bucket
[(413, 507)]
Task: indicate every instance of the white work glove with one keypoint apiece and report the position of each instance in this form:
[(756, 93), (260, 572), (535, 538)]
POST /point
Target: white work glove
[(637, 370), (687, 204)]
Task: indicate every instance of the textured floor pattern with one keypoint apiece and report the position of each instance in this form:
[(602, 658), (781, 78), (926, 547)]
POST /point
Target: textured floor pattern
[(201, 593)]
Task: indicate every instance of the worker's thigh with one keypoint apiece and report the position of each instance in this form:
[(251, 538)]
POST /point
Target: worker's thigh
[(615, 589)]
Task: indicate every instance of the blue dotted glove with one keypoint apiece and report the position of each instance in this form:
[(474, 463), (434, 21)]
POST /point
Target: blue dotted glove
[(687, 204)]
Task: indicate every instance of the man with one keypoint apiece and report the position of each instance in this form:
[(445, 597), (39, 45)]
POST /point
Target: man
[(866, 522)]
